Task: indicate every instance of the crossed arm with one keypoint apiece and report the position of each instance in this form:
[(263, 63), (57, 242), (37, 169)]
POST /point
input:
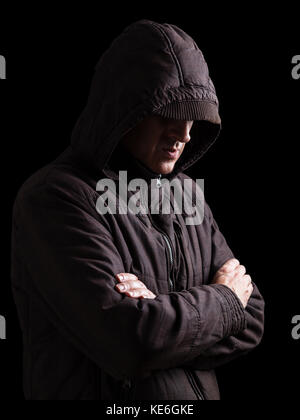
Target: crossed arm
[(232, 274), (60, 242)]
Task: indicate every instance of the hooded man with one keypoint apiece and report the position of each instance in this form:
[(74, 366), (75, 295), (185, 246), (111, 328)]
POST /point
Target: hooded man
[(135, 306)]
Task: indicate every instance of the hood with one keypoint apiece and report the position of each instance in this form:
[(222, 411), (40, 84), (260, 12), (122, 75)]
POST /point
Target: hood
[(149, 68)]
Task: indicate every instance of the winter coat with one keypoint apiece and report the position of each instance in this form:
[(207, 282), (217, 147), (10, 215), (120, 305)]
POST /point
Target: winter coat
[(82, 338)]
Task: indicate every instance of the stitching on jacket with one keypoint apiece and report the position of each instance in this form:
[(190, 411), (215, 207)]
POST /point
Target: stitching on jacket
[(167, 39), (226, 308), (196, 100), (202, 99), (198, 326), (206, 87)]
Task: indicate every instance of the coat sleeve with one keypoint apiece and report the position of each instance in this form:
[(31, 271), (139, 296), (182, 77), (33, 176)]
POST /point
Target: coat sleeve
[(239, 344), (72, 260)]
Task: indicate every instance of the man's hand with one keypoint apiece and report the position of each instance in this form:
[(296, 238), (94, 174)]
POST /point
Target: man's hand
[(131, 286), (233, 275)]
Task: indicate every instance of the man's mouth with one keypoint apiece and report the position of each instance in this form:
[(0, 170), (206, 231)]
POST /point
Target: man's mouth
[(171, 152)]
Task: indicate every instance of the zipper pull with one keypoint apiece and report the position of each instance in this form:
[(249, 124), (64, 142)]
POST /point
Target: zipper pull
[(158, 181)]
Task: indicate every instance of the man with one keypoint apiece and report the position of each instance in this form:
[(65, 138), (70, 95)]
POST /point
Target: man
[(130, 306)]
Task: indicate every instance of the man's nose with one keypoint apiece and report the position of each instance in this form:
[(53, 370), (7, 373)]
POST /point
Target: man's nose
[(180, 131)]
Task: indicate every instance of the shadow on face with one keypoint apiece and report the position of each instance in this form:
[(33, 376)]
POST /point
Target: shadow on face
[(158, 142)]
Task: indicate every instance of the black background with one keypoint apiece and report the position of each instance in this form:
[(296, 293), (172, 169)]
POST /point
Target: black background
[(250, 173)]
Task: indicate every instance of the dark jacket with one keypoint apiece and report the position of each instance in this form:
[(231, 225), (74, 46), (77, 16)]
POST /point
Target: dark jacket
[(83, 339)]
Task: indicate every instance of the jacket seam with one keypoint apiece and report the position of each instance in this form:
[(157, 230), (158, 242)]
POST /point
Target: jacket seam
[(173, 54), (187, 85), (199, 85), (198, 328), (194, 100)]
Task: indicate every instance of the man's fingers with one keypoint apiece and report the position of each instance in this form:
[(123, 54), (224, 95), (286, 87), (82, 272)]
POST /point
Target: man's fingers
[(248, 279), (140, 293), (130, 285), (240, 270), (229, 266), (137, 292), (126, 276)]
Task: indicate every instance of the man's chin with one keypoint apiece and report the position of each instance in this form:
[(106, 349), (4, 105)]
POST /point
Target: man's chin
[(165, 168)]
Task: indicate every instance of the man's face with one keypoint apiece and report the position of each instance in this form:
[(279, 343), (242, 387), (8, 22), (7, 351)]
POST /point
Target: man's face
[(158, 142)]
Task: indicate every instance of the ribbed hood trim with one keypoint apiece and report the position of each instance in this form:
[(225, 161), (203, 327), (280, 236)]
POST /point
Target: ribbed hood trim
[(190, 111)]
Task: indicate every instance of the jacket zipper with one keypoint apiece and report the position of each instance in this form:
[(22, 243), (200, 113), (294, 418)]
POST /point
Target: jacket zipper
[(193, 380), (170, 254), (169, 247), (168, 243), (190, 375), (126, 385)]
